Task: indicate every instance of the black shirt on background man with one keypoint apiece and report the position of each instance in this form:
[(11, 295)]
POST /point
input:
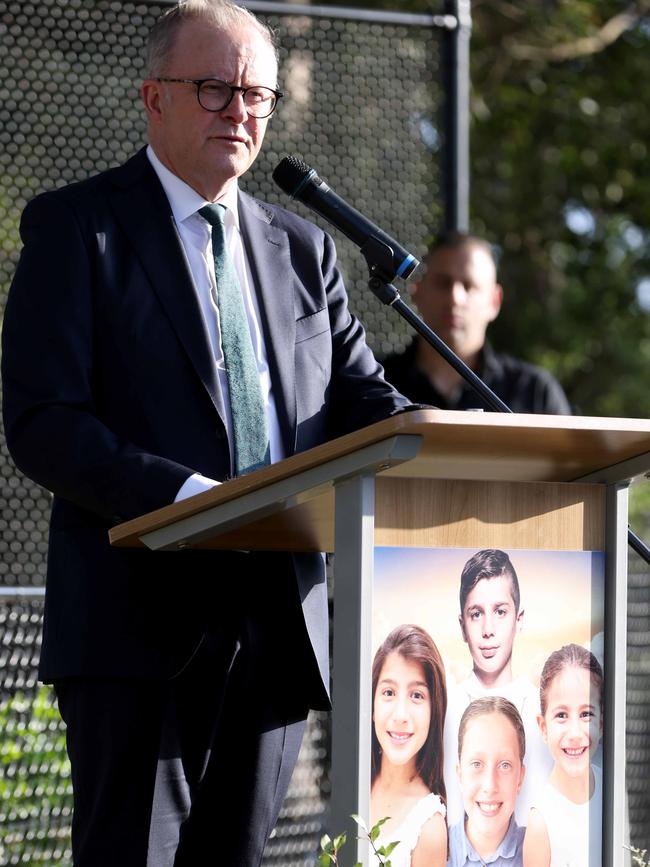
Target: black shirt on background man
[(522, 386)]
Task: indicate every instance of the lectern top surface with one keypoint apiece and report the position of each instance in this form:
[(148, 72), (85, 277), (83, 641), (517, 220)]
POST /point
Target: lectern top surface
[(455, 445)]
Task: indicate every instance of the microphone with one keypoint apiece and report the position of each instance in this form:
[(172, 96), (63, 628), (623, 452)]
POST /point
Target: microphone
[(386, 258)]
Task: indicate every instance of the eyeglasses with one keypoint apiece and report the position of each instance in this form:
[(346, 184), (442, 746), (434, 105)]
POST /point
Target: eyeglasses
[(215, 95)]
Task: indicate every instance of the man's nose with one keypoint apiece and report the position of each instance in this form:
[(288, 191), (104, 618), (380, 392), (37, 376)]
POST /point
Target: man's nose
[(236, 108), (458, 292)]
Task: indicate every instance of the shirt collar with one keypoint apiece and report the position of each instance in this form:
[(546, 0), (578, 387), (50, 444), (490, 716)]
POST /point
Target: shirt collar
[(184, 200), (506, 849), (488, 360), (461, 847)]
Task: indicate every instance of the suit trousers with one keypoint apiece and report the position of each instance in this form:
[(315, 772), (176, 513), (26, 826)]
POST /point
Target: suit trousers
[(192, 771)]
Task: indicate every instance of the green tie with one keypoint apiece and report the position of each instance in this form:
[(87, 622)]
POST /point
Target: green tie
[(250, 429)]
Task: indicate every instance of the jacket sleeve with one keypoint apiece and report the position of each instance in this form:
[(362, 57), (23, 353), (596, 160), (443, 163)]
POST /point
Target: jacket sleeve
[(54, 429)]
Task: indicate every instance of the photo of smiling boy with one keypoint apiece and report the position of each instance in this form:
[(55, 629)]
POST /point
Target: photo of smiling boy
[(491, 749), (490, 617)]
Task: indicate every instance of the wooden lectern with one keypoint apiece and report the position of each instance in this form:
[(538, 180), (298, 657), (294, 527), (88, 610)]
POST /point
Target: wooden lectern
[(431, 478)]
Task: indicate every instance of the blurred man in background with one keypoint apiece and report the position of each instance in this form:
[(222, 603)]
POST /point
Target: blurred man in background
[(458, 297)]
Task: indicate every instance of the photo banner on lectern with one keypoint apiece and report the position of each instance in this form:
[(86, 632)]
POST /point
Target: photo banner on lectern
[(487, 701)]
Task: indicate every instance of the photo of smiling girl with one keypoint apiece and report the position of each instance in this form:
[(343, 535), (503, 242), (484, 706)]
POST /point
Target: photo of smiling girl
[(565, 826), (409, 703), (491, 749)]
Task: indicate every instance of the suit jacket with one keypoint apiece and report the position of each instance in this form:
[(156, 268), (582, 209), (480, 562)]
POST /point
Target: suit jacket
[(111, 401)]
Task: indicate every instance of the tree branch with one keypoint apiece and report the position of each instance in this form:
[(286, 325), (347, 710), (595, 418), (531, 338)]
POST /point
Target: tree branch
[(587, 45)]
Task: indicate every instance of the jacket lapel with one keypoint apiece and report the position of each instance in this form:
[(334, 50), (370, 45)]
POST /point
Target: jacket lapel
[(267, 251), (143, 210)]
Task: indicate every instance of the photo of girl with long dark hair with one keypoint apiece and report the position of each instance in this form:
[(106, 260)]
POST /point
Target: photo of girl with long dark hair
[(409, 705)]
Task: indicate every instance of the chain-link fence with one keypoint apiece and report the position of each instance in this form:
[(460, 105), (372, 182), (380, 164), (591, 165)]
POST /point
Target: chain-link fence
[(361, 106)]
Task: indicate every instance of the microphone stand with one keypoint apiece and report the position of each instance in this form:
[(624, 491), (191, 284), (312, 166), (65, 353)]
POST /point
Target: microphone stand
[(380, 261), (638, 545), (389, 295)]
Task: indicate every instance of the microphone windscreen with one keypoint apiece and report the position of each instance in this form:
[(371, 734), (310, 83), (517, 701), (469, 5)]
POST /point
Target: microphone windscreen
[(291, 173)]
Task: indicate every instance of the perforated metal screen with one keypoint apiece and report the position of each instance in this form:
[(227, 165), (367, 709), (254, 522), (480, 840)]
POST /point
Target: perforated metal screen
[(360, 107), (638, 702)]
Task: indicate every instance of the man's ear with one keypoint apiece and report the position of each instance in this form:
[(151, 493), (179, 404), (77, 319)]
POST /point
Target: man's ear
[(414, 289), (496, 301), (151, 95)]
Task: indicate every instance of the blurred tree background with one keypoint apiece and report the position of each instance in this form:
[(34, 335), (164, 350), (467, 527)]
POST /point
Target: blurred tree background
[(560, 184), (560, 181)]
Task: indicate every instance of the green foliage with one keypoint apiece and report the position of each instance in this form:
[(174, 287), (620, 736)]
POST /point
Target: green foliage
[(35, 787), (639, 856), (559, 148), (330, 849)]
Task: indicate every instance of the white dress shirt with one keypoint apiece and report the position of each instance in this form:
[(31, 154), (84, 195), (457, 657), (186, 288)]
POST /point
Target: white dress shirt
[(196, 236)]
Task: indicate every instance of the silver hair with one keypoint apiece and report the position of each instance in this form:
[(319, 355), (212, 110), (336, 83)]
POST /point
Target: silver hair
[(223, 14)]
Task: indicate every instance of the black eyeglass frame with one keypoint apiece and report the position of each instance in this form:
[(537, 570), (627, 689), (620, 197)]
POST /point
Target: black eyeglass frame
[(199, 82)]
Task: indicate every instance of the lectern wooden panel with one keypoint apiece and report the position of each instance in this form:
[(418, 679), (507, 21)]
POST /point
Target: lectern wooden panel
[(438, 513)]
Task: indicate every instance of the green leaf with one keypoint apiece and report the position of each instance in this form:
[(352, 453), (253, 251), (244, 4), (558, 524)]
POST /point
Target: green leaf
[(374, 833), (339, 841), (359, 822), (390, 846)]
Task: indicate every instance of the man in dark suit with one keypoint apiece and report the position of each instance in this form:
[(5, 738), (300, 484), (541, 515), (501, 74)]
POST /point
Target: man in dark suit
[(184, 678)]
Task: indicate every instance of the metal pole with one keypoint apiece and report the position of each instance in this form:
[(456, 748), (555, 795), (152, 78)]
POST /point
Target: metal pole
[(378, 16), (455, 58), (614, 752), (352, 677)]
